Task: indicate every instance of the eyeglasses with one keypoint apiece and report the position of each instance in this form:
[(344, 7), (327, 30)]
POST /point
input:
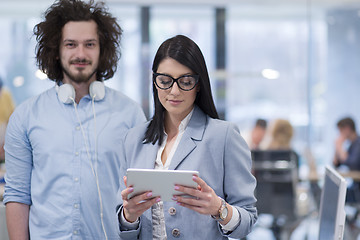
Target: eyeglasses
[(186, 82)]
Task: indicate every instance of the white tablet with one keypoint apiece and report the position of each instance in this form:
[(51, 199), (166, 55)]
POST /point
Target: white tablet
[(160, 182)]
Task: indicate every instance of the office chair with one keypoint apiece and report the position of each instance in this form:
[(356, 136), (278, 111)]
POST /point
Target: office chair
[(276, 172)]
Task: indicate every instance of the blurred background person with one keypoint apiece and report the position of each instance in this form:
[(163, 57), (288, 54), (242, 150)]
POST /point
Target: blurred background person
[(347, 156), (281, 135), (255, 138), (7, 107)]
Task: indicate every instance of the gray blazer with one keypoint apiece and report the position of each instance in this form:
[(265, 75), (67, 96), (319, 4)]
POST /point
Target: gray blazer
[(215, 149)]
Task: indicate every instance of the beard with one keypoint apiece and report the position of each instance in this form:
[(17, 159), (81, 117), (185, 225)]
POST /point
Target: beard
[(80, 77)]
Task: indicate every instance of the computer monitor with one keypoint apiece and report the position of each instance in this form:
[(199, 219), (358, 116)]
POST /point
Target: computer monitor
[(332, 206)]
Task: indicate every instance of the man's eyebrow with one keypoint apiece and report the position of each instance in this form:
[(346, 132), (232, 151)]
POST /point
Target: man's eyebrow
[(87, 40)]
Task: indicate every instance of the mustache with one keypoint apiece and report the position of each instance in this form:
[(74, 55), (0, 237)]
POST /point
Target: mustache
[(78, 60)]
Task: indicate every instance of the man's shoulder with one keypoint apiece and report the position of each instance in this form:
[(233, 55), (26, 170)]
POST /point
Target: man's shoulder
[(139, 128), (113, 93), (137, 132), (125, 106), (118, 98), (33, 100)]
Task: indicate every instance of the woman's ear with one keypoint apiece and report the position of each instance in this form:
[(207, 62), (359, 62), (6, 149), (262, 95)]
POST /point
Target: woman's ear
[(198, 88)]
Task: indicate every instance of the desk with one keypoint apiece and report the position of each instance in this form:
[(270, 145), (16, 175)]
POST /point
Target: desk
[(354, 175), (315, 177)]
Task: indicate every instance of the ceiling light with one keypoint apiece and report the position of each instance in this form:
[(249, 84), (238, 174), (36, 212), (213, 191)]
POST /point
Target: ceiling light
[(270, 73), (18, 81)]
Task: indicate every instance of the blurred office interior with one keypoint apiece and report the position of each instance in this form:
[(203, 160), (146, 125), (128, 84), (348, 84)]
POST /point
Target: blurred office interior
[(296, 60)]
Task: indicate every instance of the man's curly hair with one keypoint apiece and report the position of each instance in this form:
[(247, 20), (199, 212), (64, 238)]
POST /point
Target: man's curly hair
[(49, 32)]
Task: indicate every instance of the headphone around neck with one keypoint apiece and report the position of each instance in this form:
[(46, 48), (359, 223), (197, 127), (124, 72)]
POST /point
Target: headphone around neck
[(66, 92)]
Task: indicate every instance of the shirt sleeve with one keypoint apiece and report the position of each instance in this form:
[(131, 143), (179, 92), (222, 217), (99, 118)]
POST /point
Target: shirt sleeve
[(233, 223), (18, 160)]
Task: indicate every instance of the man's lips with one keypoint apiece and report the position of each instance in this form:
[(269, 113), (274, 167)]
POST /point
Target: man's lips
[(80, 63)]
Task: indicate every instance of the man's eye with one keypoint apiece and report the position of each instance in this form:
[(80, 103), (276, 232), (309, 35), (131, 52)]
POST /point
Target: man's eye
[(90, 45), (70, 45)]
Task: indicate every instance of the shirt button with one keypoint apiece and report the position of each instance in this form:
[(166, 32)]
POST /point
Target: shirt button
[(76, 179), (77, 154), (75, 232), (76, 205), (175, 232), (172, 211), (78, 128)]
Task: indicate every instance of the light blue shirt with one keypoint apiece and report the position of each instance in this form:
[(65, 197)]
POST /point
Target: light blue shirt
[(48, 168)]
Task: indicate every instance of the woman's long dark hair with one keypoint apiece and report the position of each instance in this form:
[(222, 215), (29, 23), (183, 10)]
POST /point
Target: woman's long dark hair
[(187, 52), (48, 34)]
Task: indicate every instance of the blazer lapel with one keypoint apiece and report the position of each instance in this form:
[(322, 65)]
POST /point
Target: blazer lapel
[(193, 132), (150, 151)]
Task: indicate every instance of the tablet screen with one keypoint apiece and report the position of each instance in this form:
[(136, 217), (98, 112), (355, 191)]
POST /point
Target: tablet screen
[(160, 182)]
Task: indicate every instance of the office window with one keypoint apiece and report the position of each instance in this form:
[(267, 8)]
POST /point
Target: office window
[(127, 77), (267, 67)]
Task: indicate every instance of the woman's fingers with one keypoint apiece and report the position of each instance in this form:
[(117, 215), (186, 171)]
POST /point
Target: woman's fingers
[(137, 205), (134, 209), (125, 181), (201, 183), (126, 192), (202, 199)]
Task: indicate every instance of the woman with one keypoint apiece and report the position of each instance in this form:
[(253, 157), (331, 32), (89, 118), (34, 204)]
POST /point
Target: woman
[(282, 133), (185, 134)]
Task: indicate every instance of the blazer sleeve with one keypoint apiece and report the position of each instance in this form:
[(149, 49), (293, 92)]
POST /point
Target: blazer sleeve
[(239, 183)]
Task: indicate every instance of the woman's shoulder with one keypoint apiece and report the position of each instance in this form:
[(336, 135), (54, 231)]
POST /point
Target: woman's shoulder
[(221, 125)]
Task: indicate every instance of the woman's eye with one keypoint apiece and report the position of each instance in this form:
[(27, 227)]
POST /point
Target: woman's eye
[(165, 80)]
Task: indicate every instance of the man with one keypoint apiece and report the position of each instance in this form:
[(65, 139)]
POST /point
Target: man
[(257, 134), (62, 147), (351, 156)]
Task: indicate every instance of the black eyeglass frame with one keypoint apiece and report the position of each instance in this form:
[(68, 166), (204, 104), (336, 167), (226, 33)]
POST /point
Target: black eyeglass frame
[(175, 80)]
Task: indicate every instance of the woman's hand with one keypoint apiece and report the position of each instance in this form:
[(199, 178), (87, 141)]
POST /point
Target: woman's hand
[(204, 200), (133, 208)]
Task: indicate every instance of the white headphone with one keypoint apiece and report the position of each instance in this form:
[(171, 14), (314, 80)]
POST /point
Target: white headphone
[(66, 92)]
